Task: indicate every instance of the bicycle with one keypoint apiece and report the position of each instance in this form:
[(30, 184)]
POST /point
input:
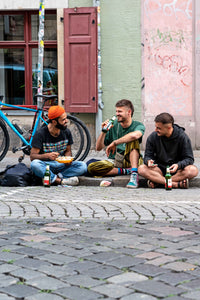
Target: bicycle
[(80, 133)]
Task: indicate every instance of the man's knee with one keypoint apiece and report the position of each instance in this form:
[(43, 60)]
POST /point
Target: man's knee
[(35, 163), (135, 152), (142, 169), (80, 165), (192, 171)]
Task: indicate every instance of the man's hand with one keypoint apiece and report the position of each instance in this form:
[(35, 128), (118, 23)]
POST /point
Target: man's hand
[(104, 124), (53, 155), (151, 163), (173, 168), (111, 148)]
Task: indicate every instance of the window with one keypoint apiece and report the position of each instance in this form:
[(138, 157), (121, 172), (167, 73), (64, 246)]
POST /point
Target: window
[(19, 55)]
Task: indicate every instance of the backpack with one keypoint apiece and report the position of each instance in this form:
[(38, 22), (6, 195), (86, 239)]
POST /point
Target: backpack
[(17, 175)]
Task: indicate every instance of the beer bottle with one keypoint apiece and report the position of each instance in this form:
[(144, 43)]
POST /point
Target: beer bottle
[(47, 177), (109, 125), (168, 179)]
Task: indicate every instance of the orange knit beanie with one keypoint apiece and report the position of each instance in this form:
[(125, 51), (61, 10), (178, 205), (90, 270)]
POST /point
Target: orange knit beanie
[(55, 112)]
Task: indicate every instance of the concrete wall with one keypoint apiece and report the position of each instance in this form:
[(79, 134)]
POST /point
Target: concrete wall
[(168, 62)]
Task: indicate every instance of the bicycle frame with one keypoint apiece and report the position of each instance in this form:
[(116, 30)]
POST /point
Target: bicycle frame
[(8, 122)]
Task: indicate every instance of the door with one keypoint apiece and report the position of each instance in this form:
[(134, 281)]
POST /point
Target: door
[(80, 58)]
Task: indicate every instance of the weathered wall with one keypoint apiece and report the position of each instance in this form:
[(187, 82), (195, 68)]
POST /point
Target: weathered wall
[(121, 54), (197, 71), (167, 63)]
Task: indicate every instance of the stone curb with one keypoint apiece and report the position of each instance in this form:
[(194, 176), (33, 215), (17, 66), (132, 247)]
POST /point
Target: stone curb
[(117, 181), (121, 181)]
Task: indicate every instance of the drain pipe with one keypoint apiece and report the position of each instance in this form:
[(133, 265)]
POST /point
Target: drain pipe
[(98, 120)]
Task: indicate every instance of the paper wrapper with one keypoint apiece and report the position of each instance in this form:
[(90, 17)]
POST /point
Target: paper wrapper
[(105, 183)]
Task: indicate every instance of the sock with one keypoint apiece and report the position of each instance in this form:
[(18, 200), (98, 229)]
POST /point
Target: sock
[(123, 171), (134, 170)]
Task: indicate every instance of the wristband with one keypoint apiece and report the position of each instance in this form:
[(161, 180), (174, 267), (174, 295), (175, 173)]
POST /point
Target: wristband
[(103, 130)]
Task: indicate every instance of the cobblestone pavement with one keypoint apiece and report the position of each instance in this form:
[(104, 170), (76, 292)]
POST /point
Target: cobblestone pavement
[(100, 203), (99, 243), (90, 242), (99, 259)]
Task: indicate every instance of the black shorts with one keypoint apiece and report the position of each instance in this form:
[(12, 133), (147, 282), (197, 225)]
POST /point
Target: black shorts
[(163, 169)]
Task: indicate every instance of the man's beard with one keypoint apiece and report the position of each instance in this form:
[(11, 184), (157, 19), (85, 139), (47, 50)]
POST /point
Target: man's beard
[(61, 127), (122, 120)]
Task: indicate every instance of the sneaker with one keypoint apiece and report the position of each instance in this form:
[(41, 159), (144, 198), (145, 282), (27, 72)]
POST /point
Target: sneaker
[(128, 171), (133, 183), (70, 181)]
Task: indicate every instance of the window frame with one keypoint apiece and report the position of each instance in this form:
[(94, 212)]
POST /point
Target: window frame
[(27, 45)]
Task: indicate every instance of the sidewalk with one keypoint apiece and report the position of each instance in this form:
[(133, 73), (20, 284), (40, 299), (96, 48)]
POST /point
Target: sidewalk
[(99, 243), (118, 181)]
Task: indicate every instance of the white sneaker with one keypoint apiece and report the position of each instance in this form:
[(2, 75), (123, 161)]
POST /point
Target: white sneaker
[(70, 181)]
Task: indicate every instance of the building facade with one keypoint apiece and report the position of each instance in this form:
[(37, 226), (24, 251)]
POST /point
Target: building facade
[(146, 51)]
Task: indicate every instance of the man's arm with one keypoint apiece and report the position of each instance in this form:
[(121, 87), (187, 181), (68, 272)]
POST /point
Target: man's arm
[(35, 154), (149, 151), (186, 155), (129, 137), (100, 141), (68, 151)]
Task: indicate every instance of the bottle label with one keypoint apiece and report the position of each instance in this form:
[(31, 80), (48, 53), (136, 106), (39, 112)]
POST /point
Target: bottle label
[(109, 125), (106, 128), (168, 183), (46, 180)]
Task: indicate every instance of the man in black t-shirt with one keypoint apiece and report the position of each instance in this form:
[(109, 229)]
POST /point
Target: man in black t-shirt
[(170, 146), (50, 142)]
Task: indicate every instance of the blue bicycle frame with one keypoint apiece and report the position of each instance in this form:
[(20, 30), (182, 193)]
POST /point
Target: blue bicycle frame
[(7, 121)]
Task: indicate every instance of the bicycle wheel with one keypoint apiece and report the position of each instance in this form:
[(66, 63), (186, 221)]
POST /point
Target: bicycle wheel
[(4, 139), (78, 137), (86, 142)]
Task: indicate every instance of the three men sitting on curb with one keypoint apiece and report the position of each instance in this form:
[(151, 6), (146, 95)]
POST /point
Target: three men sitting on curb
[(168, 145)]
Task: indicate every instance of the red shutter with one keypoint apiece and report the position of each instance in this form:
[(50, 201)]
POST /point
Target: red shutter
[(80, 50)]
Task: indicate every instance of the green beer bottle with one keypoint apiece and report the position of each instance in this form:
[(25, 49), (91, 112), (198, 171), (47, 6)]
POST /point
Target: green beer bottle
[(168, 179), (47, 177), (109, 125)]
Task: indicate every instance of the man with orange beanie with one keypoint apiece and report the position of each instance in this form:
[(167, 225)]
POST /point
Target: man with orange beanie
[(50, 142)]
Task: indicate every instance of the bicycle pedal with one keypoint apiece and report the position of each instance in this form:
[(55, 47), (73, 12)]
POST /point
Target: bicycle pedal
[(21, 158), (14, 149)]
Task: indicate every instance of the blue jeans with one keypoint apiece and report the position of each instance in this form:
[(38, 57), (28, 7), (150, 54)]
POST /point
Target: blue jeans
[(76, 168)]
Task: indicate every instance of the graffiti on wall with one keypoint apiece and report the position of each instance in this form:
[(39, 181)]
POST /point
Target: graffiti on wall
[(169, 8), (168, 56)]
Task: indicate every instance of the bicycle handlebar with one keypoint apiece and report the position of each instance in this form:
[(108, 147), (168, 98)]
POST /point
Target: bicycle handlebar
[(46, 97)]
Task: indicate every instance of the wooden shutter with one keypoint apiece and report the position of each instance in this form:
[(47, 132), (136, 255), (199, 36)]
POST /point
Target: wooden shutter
[(80, 59)]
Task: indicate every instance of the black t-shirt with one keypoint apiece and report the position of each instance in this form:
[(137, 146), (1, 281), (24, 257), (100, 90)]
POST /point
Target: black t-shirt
[(47, 143)]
